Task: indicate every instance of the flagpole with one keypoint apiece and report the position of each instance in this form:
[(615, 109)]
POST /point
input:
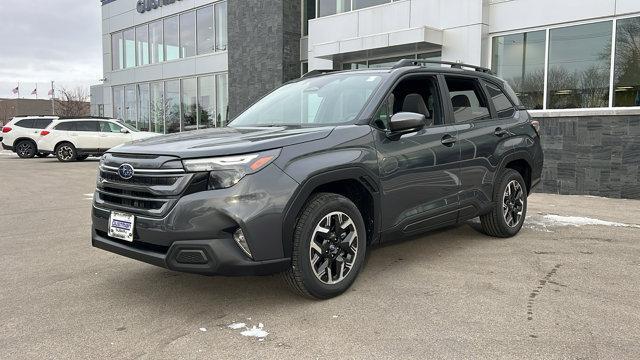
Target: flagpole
[(18, 90), (53, 103), (36, 91)]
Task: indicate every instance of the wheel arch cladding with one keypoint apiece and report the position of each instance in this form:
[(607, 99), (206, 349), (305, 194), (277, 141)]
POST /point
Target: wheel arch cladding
[(524, 168), (353, 183), (20, 139)]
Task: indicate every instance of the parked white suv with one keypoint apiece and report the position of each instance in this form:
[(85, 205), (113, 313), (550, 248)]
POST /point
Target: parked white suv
[(77, 139), (21, 134)]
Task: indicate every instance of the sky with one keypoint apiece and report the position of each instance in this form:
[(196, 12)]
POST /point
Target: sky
[(49, 40)]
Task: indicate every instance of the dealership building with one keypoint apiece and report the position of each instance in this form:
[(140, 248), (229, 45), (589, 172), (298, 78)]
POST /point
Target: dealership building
[(178, 65)]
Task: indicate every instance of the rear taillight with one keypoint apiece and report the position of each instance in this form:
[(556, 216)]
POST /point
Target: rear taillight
[(536, 125), (44, 133), (6, 129)]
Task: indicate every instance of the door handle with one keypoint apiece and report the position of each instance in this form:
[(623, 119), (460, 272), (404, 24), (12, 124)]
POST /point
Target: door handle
[(500, 132), (448, 140)]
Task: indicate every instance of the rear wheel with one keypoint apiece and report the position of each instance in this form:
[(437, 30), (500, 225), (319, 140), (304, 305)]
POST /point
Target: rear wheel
[(508, 214), (66, 152), (329, 247), (26, 149)]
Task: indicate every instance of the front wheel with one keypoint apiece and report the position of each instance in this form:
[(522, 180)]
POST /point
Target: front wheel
[(26, 149), (329, 247), (510, 209), (66, 152)]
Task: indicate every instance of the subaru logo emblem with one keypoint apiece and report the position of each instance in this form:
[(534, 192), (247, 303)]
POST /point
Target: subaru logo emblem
[(125, 171)]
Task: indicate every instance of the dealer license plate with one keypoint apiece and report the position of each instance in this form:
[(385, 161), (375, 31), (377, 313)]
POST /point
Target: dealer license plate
[(121, 226)]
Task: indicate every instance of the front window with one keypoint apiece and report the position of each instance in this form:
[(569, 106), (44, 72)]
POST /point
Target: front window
[(330, 99)]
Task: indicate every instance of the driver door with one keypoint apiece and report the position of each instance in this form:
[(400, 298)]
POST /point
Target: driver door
[(418, 171), (112, 135)]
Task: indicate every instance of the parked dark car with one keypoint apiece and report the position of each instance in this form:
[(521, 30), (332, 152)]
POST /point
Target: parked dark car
[(308, 178)]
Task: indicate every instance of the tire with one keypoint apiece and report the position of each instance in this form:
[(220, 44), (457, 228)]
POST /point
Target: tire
[(509, 212), (42, 155), (82, 157), (26, 149), (66, 152), (322, 278)]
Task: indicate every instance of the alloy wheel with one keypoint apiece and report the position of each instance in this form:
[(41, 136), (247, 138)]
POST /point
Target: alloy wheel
[(333, 248), (24, 149), (65, 152), (513, 203)]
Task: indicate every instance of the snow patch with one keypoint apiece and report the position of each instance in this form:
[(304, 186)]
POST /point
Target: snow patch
[(543, 222), (236, 326), (255, 331), (203, 329)]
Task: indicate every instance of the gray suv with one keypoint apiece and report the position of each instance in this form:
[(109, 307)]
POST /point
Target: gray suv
[(307, 179)]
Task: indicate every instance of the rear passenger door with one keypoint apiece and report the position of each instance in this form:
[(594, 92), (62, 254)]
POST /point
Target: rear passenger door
[(483, 131), (88, 135)]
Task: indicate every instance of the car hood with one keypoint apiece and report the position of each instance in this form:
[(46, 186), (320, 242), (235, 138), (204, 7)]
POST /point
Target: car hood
[(222, 141)]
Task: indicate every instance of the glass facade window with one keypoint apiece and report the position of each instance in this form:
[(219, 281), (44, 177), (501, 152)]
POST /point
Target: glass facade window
[(172, 106), (130, 105), (519, 59), (221, 26), (156, 42), (222, 100), (626, 78), (206, 102), (129, 38), (171, 38), (118, 102), (157, 107), (142, 45), (308, 13), (116, 51), (204, 25), (188, 34), (189, 104), (330, 7), (579, 66), (144, 106), (360, 4)]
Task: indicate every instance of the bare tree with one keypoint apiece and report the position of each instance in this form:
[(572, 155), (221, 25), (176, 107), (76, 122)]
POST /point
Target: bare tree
[(73, 103)]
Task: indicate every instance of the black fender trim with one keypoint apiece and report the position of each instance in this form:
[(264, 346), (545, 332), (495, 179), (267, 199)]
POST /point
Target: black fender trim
[(306, 188), (515, 155), (16, 141)]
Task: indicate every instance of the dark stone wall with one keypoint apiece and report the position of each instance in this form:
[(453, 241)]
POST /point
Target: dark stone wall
[(591, 155), (264, 48)]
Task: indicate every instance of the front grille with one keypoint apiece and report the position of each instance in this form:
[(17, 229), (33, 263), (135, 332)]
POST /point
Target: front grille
[(151, 191), (139, 180)]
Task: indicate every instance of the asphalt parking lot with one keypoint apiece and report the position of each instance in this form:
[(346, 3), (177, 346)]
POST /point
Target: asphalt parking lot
[(565, 287)]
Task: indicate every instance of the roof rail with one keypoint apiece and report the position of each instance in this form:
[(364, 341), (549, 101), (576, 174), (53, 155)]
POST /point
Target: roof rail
[(454, 65), (84, 117), (317, 72)]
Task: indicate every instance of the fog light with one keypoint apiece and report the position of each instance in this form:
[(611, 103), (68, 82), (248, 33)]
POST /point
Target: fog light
[(238, 236)]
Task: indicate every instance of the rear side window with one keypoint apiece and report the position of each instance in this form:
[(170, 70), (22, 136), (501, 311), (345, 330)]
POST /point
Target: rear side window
[(501, 102), (467, 99), (42, 123), (26, 123), (93, 126), (66, 126)]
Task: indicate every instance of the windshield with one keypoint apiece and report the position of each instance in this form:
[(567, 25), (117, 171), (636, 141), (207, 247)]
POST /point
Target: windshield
[(129, 127), (329, 99)]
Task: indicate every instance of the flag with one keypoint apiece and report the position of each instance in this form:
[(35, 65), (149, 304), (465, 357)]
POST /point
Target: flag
[(35, 91), (51, 92), (16, 90)]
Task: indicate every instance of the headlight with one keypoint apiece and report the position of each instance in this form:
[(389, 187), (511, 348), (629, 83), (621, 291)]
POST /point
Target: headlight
[(227, 171)]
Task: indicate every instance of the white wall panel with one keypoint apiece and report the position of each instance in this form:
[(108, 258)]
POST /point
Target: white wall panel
[(463, 44), (520, 14), (384, 19), (627, 6)]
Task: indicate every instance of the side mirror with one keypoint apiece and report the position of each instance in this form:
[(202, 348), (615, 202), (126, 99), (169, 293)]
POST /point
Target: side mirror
[(405, 122), (124, 131)]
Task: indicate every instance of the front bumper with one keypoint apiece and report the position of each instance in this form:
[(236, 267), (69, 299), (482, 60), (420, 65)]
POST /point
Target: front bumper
[(196, 233), (205, 257)]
